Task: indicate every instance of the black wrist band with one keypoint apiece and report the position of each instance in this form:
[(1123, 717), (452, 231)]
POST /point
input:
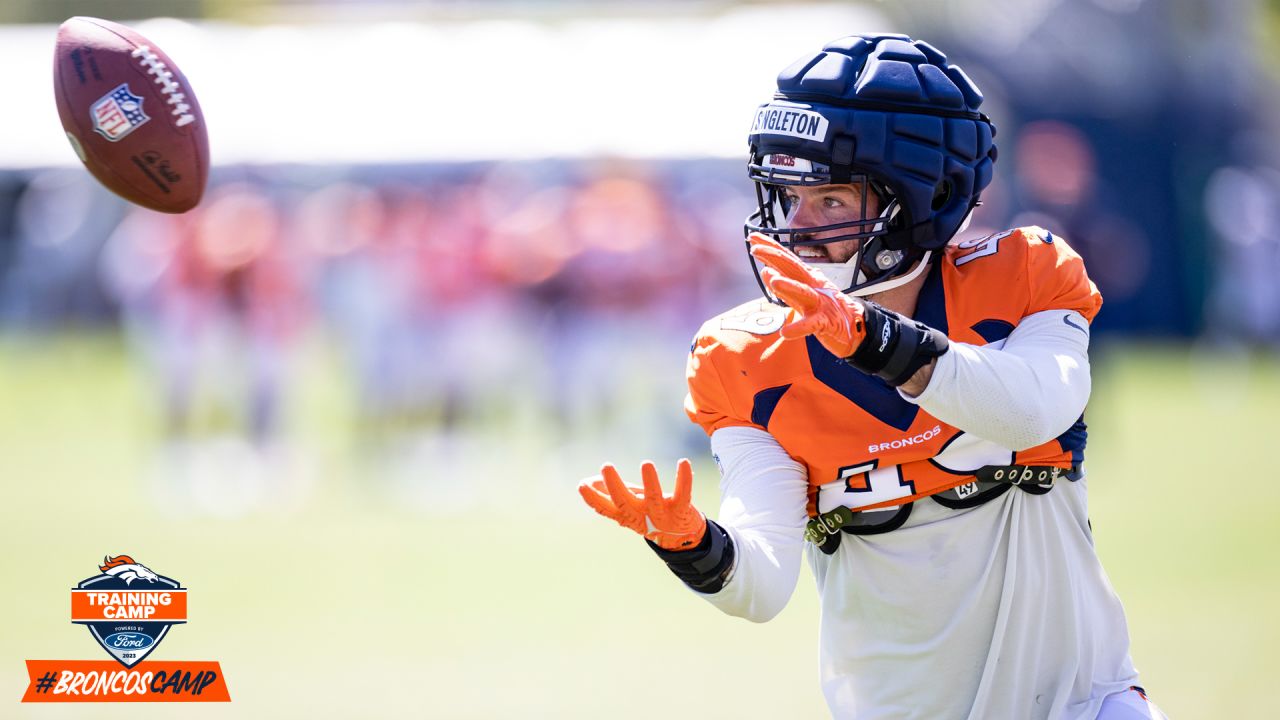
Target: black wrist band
[(895, 347), (704, 567)]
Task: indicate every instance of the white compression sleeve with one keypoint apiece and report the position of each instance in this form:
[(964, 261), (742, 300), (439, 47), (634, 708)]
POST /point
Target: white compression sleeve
[(1018, 394), (763, 496)]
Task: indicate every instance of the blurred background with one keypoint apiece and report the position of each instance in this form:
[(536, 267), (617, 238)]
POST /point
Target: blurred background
[(451, 260)]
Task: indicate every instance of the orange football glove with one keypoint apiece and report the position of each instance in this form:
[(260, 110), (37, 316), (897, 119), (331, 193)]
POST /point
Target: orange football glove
[(824, 311), (671, 523)]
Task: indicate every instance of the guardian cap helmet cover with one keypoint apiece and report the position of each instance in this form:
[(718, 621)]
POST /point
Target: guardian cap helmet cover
[(888, 114)]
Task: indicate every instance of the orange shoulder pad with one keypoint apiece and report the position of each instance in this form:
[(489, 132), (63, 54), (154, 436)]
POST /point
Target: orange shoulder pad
[(1027, 269), (718, 397)]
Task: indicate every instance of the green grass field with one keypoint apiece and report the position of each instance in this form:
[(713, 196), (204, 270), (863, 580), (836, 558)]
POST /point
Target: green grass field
[(350, 601)]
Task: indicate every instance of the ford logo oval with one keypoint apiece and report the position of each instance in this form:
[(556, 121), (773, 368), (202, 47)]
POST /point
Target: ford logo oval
[(128, 641)]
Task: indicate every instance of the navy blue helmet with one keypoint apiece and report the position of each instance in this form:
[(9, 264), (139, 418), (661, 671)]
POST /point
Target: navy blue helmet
[(887, 113)]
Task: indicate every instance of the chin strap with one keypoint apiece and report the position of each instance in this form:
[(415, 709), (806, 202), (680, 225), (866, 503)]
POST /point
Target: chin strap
[(895, 347), (896, 282), (846, 273)]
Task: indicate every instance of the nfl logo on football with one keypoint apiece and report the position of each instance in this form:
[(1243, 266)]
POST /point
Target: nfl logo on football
[(118, 113)]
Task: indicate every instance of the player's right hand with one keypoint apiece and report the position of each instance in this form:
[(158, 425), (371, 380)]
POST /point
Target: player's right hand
[(671, 523), (821, 310)]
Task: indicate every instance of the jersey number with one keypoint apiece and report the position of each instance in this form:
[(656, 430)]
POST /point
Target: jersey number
[(882, 484), (971, 250), (756, 322), (960, 455)]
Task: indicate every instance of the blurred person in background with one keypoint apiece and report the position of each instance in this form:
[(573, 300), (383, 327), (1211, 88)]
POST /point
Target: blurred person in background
[(910, 404), (59, 220), (439, 251), (239, 273), (1242, 203), (360, 290), (213, 303), (615, 282)]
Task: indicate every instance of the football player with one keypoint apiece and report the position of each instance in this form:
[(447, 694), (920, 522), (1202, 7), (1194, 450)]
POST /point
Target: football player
[(908, 404)]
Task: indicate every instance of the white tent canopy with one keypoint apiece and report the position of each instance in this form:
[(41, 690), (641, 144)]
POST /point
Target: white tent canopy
[(491, 89)]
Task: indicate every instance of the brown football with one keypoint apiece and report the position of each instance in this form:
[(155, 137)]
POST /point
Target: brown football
[(130, 115)]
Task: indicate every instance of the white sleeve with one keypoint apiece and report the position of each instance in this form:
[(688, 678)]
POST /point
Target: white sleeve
[(763, 498), (1018, 394)]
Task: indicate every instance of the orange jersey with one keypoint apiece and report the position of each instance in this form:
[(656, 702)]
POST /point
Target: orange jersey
[(853, 429)]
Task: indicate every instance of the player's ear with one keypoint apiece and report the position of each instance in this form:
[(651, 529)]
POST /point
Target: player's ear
[(942, 195)]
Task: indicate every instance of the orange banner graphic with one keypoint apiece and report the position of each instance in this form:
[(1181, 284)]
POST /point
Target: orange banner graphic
[(108, 681)]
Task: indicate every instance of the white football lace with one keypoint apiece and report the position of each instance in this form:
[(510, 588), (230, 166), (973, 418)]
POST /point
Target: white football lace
[(155, 66)]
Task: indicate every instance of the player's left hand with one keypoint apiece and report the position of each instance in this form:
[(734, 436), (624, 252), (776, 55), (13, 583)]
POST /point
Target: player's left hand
[(823, 311), (672, 523)]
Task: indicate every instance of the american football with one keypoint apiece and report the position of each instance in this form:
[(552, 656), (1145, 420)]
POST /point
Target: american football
[(130, 115)]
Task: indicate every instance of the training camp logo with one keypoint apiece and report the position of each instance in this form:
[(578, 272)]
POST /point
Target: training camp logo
[(128, 608)]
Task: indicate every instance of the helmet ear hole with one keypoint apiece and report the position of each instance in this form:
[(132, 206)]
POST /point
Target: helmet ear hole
[(941, 196)]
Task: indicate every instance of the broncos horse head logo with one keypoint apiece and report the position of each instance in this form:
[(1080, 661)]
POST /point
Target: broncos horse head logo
[(127, 569)]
